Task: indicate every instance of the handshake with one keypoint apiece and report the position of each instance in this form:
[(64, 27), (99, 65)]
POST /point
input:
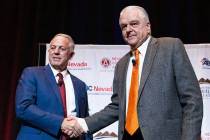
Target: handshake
[(71, 127)]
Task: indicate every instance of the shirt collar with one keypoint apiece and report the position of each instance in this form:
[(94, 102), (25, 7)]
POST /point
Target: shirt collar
[(143, 48), (55, 72)]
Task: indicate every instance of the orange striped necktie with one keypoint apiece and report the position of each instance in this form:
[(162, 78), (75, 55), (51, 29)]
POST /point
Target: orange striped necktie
[(132, 123)]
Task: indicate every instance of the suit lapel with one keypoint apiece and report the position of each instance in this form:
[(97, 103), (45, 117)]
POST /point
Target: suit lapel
[(148, 61), (123, 72), (76, 93), (52, 82)]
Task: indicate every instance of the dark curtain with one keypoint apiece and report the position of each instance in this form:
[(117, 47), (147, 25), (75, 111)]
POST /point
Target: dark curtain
[(25, 23)]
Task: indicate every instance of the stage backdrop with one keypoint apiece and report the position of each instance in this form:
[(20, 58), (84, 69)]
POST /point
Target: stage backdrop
[(94, 64)]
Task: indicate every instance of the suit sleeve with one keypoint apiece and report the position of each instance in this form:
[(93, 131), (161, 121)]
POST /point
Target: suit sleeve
[(108, 115), (84, 108), (28, 111), (189, 93)]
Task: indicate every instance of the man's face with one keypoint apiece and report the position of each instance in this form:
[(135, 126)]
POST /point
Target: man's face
[(135, 28), (60, 52)]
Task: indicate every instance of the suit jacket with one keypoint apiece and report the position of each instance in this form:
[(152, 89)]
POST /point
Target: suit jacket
[(39, 105), (169, 103)]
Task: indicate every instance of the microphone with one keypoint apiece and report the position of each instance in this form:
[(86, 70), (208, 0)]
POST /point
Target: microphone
[(133, 62)]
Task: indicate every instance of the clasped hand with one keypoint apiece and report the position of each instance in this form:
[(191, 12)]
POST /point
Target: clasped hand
[(71, 127)]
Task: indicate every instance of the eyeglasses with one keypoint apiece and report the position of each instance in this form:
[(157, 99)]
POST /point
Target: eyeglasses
[(60, 48)]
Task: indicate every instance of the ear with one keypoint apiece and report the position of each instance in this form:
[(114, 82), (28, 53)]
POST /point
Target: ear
[(71, 54), (148, 27)]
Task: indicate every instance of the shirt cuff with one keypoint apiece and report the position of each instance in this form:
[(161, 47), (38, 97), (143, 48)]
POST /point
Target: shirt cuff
[(83, 124)]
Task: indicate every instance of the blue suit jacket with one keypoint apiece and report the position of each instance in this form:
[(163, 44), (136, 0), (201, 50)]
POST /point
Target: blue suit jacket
[(39, 105)]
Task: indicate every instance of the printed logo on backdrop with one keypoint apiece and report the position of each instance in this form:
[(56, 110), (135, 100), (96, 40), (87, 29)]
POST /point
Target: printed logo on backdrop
[(205, 88), (108, 63), (106, 134), (79, 65), (105, 62), (205, 63), (99, 90), (206, 136)]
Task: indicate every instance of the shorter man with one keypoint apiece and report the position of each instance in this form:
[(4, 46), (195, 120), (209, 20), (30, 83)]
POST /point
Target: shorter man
[(47, 95)]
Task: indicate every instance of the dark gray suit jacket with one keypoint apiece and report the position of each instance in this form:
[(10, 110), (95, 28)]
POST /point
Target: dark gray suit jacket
[(170, 104)]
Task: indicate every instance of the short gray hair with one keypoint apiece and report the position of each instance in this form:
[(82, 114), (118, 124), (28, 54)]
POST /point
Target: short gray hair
[(140, 9), (66, 36)]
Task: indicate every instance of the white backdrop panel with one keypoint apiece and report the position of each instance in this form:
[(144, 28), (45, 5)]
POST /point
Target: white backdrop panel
[(94, 64)]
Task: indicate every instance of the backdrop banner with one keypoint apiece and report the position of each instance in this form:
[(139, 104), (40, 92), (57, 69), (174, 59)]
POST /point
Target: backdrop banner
[(199, 55), (94, 64)]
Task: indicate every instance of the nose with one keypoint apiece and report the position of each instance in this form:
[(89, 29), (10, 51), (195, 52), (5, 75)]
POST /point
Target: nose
[(56, 50), (128, 29)]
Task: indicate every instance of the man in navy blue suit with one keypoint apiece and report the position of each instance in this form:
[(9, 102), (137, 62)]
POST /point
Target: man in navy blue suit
[(39, 104)]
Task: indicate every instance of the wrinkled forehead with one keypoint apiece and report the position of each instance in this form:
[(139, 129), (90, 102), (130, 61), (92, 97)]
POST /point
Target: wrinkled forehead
[(60, 40), (129, 13)]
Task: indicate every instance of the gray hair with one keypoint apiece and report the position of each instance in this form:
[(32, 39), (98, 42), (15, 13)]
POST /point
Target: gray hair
[(140, 9), (68, 37)]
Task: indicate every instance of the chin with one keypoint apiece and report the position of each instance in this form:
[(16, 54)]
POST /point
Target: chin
[(132, 42), (56, 64)]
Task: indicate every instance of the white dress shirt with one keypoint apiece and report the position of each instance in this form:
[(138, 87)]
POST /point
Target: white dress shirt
[(142, 49), (70, 95)]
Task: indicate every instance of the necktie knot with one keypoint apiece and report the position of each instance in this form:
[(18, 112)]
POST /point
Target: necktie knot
[(136, 55), (60, 78)]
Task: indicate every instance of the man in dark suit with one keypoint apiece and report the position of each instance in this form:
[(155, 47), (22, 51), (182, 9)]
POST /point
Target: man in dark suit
[(169, 102), (40, 106)]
